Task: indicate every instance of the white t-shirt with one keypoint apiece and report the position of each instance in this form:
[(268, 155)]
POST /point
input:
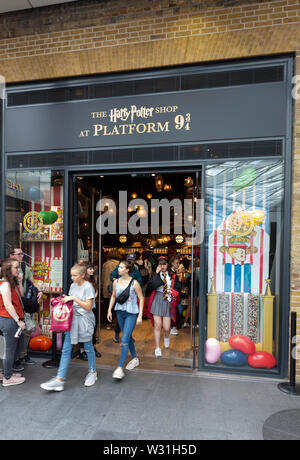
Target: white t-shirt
[(83, 292)]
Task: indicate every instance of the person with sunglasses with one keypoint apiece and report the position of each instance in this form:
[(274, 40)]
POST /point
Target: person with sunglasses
[(165, 288)]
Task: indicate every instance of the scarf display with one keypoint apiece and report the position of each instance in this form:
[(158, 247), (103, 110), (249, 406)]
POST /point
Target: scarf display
[(223, 318), (238, 314), (231, 318), (253, 318)]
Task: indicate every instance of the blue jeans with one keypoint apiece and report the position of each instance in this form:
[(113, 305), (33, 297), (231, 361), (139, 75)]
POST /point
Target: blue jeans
[(66, 356), (127, 323), (13, 346)]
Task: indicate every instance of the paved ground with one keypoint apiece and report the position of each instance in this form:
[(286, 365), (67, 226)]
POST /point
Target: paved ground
[(145, 405)]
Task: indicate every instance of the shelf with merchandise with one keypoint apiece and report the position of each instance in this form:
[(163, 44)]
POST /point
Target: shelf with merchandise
[(41, 241)]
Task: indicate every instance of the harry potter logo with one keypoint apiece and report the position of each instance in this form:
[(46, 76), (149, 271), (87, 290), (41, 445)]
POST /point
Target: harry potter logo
[(61, 313)]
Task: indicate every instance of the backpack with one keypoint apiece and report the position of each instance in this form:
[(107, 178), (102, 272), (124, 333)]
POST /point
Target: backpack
[(29, 300)]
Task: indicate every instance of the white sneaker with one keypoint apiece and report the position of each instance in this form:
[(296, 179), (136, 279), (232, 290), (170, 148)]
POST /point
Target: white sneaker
[(157, 352), (174, 331), (166, 342), (53, 385), (13, 381), (91, 379), (186, 325), (118, 373), (132, 364)]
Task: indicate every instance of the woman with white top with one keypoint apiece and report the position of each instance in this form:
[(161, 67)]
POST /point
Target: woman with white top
[(164, 286), (82, 294), (128, 313)]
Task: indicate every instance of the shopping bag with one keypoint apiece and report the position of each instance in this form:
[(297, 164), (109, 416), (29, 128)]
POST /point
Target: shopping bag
[(82, 254), (61, 315)]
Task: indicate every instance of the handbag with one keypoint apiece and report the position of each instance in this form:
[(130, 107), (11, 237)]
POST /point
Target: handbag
[(29, 323), (82, 254), (30, 302), (61, 315), (123, 297)]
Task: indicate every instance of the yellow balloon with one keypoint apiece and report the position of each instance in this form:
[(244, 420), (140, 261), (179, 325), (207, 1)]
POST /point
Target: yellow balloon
[(258, 216)]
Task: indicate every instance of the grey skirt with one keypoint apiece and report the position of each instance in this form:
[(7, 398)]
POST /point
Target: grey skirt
[(160, 307)]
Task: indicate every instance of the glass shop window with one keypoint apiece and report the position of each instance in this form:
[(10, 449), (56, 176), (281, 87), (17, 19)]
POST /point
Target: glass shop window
[(243, 233), (34, 223)]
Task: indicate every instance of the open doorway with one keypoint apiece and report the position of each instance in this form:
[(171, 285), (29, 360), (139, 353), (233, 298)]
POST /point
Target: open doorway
[(147, 214)]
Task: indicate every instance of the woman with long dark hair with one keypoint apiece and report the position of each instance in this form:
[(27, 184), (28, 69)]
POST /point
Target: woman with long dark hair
[(129, 314), (11, 319), (165, 288)]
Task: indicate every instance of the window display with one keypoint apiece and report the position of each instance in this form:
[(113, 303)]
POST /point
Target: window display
[(243, 218), (34, 222)]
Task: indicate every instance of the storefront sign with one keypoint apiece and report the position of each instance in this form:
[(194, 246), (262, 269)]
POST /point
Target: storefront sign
[(136, 120), (191, 116)]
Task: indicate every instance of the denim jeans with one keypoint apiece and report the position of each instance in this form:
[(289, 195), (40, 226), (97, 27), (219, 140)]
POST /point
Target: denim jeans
[(126, 322), (13, 346), (66, 356)]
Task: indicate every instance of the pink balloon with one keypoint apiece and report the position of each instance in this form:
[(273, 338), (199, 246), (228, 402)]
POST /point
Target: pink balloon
[(37, 331), (212, 351)]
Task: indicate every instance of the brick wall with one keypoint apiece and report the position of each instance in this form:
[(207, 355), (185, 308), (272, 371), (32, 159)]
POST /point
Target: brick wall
[(114, 35), (98, 36)]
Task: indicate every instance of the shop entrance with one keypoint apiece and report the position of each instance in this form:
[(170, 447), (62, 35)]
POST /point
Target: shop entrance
[(145, 214)]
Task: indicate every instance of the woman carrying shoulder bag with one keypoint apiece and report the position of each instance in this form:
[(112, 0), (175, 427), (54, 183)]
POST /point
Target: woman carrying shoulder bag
[(11, 319), (128, 313)]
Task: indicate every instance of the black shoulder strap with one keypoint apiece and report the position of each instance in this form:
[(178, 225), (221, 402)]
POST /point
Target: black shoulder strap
[(23, 266)]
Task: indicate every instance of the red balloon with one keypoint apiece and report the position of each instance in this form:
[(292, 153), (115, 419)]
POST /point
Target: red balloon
[(40, 343), (242, 343), (262, 359)]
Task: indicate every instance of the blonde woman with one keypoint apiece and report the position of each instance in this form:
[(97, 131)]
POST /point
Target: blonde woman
[(82, 294)]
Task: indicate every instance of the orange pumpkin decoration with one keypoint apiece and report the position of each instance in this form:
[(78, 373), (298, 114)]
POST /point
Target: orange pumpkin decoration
[(40, 343)]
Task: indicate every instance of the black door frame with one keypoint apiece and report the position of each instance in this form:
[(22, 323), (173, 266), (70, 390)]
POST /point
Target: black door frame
[(71, 222)]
